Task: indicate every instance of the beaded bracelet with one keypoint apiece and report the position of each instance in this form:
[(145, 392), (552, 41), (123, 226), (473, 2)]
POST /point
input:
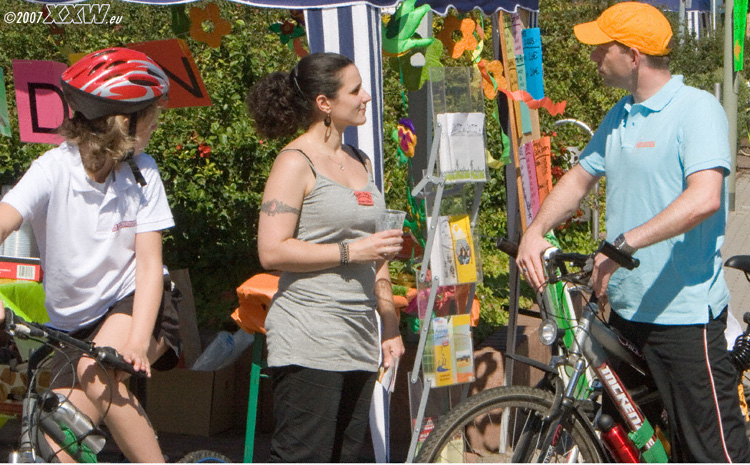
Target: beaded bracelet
[(344, 252)]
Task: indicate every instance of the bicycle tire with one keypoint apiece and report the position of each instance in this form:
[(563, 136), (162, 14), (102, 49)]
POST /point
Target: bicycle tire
[(204, 456), (470, 432)]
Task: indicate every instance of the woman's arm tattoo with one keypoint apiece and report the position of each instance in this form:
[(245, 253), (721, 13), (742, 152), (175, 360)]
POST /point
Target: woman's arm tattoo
[(274, 207)]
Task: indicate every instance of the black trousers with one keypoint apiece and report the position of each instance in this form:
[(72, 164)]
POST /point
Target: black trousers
[(320, 416), (698, 384)]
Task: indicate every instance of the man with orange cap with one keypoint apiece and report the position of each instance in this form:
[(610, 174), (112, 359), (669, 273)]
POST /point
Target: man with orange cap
[(665, 152)]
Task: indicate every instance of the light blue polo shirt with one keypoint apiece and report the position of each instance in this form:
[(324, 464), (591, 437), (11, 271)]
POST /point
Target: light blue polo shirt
[(647, 151)]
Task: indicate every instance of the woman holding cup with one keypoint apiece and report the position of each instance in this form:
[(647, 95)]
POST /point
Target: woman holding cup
[(318, 226)]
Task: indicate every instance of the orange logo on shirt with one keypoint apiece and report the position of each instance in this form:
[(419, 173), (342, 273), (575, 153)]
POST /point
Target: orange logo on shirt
[(645, 144)]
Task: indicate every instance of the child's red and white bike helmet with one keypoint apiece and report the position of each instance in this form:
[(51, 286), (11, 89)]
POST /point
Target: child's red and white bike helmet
[(113, 81)]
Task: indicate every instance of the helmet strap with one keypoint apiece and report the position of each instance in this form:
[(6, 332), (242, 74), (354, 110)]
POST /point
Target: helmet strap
[(132, 129)]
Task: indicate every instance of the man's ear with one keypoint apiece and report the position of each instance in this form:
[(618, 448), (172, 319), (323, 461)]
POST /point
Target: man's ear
[(636, 56)]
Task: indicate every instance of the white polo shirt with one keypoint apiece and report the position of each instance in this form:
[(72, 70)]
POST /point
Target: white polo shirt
[(86, 231)]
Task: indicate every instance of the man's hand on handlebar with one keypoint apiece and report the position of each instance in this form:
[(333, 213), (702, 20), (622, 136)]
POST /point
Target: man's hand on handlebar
[(529, 259), (604, 267)]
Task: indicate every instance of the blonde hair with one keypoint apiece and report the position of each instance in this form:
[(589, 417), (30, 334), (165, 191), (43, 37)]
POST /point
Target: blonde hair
[(102, 138)]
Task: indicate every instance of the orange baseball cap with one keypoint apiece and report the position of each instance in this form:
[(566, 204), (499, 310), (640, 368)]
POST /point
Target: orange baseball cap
[(634, 24)]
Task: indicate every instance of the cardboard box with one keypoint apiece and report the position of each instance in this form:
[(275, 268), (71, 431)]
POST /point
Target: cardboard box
[(183, 401), (29, 269)]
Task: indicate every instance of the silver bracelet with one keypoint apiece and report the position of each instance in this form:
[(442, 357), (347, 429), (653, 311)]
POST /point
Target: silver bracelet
[(344, 252)]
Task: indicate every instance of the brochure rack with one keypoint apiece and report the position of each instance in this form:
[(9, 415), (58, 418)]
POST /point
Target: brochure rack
[(450, 269)]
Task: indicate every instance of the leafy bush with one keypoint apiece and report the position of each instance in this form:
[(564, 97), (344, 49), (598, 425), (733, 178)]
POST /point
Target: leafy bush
[(214, 166)]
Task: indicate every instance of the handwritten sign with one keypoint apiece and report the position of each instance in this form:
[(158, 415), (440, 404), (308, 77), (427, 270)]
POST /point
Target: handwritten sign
[(39, 99), (532, 52)]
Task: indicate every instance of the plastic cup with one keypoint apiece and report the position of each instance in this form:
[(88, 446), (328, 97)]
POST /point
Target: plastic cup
[(390, 219)]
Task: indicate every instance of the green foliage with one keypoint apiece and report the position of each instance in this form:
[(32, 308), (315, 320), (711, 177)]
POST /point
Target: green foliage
[(214, 166)]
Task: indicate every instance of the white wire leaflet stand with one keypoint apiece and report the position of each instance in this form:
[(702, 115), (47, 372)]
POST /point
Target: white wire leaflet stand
[(446, 280)]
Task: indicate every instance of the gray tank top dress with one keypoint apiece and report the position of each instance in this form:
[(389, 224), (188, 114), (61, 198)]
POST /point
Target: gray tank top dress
[(325, 320)]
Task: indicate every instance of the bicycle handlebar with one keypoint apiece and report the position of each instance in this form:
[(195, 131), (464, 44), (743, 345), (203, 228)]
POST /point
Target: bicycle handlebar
[(18, 327), (558, 259)]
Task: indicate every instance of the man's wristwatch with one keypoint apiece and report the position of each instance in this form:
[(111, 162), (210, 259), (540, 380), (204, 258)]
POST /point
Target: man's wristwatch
[(623, 246)]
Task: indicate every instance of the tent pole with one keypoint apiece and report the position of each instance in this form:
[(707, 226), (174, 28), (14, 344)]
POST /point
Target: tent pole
[(730, 91)]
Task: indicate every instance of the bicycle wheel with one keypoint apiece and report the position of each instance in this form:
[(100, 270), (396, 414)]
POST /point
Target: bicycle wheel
[(204, 456), (506, 424)]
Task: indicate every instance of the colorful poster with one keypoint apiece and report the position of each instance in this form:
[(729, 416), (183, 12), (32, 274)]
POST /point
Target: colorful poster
[(186, 88), (463, 351), (532, 52), (463, 248), (524, 159), (442, 263), (4, 118), (526, 126), (533, 184), (39, 99), (542, 156)]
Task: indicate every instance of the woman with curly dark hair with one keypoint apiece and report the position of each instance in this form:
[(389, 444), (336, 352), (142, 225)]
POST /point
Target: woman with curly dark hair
[(317, 226)]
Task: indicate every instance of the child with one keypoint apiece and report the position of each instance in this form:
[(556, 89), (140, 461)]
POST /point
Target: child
[(97, 207)]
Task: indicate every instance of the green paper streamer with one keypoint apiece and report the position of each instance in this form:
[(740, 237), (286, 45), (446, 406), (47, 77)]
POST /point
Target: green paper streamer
[(740, 24)]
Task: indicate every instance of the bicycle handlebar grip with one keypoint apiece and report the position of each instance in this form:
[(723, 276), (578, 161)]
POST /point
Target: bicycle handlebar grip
[(625, 261), (111, 357), (507, 246)]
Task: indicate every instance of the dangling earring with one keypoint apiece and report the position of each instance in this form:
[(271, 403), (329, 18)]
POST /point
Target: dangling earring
[(327, 120)]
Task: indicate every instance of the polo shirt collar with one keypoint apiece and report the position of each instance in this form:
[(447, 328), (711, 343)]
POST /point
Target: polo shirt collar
[(80, 181), (659, 100)]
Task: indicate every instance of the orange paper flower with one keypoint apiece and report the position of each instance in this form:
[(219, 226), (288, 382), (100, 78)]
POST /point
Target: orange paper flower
[(492, 70), (211, 13), (466, 26)]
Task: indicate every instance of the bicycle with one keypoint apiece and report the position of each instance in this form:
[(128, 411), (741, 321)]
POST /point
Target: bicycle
[(561, 419), (51, 414)]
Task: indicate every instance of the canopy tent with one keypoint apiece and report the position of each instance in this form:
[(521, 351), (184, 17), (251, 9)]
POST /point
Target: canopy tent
[(674, 5)]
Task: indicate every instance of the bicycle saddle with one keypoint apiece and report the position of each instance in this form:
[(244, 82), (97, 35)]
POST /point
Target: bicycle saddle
[(740, 262)]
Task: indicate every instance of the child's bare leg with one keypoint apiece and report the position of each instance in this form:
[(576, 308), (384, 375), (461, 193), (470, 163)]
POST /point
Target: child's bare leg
[(103, 397)]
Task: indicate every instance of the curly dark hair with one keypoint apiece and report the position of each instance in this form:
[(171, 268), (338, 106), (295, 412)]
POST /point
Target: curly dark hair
[(282, 103)]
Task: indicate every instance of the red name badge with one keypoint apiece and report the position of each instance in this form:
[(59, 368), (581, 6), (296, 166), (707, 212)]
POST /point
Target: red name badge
[(364, 198)]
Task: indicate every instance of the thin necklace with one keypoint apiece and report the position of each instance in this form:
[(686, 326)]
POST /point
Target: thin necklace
[(340, 165)]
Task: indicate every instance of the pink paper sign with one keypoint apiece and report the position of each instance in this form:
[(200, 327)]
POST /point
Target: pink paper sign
[(39, 99)]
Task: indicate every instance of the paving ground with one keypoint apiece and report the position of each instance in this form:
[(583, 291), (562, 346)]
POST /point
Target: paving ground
[(738, 239), (231, 443)]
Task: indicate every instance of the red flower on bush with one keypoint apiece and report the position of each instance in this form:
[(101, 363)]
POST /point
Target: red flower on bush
[(204, 150)]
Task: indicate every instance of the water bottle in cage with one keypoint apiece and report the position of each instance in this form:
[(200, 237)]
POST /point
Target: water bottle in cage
[(67, 416)]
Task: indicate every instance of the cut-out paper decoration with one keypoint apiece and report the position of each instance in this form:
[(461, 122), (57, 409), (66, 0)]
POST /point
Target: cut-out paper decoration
[(398, 35), (180, 20), (289, 33), (4, 118), (466, 27), (492, 77), (414, 77), (186, 86), (407, 139), (39, 100), (218, 28)]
